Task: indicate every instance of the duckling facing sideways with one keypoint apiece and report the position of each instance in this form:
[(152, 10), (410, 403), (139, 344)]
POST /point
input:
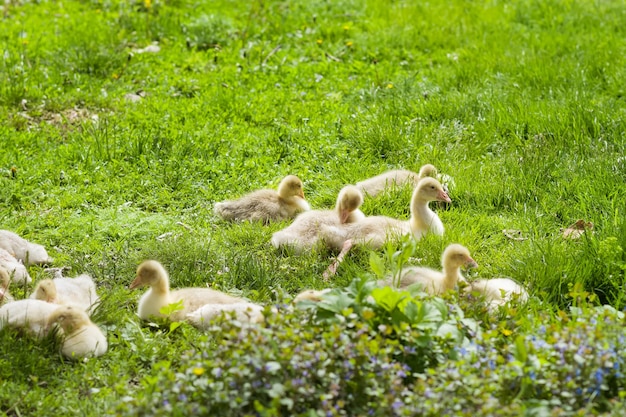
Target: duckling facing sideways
[(5, 280), (303, 233), (437, 282), (153, 274), (374, 231), (498, 291), (79, 291), (397, 178), (266, 205), (30, 315), (27, 252), (81, 337), (17, 270), (243, 312)]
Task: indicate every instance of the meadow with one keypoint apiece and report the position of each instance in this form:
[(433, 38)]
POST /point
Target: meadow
[(124, 122)]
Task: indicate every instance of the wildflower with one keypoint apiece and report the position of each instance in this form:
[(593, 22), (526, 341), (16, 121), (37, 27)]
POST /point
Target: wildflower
[(349, 44), (147, 3), (389, 85), (319, 41), (346, 27)]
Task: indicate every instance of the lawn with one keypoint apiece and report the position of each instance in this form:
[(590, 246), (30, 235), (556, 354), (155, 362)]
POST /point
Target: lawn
[(124, 122)]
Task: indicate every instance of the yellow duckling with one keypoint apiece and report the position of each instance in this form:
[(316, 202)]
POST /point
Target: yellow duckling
[(267, 205), (304, 233), (81, 337), (153, 274)]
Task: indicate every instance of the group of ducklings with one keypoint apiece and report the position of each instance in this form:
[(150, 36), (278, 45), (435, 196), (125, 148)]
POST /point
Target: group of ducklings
[(65, 303)]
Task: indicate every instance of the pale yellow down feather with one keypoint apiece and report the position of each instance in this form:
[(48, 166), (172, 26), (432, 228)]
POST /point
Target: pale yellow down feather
[(266, 205)]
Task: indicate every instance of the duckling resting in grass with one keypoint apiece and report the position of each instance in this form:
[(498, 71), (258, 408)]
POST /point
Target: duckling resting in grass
[(79, 291), (311, 295), (497, 291), (374, 231), (399, 177), (267, 205), (5, 280), (15, 268), (153, 274), (27, 252), (437, 282), (81, 338), (29, 315), (243, 312), (304, 233)]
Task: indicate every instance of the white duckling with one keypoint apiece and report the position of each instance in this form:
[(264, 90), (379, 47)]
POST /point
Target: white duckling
[(266, 205), (498, 291), (399, 177), (153, 274), (303, 233), (27, 252), (16, 269), (311, 295), (5, 280), (243, 312), (81, 337), (437, 282), (30, 315), (79, 291), (374, 231)]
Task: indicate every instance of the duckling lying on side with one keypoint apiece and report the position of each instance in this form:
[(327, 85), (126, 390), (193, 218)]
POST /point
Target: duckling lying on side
[(81, 337), (311, 295), (304, 233), (244, 312), (153, 274), (30, 315), (266, 205), (498, 291), (27, 252), (15, 268), (79, 291), (437, 282)]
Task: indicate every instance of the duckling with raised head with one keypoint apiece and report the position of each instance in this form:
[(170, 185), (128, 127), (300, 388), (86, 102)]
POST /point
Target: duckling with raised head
[(267, 205), (304, 233), (374, 231), (433, 281), (81, 338), (154, 275)]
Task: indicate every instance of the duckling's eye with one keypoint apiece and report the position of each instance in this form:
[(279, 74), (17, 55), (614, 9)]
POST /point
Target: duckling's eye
[(432, 187)]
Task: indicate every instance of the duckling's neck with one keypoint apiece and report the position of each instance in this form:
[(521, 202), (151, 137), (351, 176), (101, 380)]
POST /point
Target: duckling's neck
[(451, 276), (161, 286), (422, 218)]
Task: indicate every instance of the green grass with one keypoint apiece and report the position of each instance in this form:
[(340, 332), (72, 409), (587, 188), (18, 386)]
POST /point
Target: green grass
[(522, 102)]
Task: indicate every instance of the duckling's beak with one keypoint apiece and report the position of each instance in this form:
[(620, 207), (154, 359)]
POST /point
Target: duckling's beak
[(301, 194), (343, 216), (471, 263), (443, 196), (136, 283)]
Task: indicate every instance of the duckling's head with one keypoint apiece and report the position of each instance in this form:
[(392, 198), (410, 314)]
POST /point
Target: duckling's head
[(46, 291), (150, 273), (429, 189), (69, 317), (290, 186), (311, 295), (428, 170), (349, 199), (456, 256)]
